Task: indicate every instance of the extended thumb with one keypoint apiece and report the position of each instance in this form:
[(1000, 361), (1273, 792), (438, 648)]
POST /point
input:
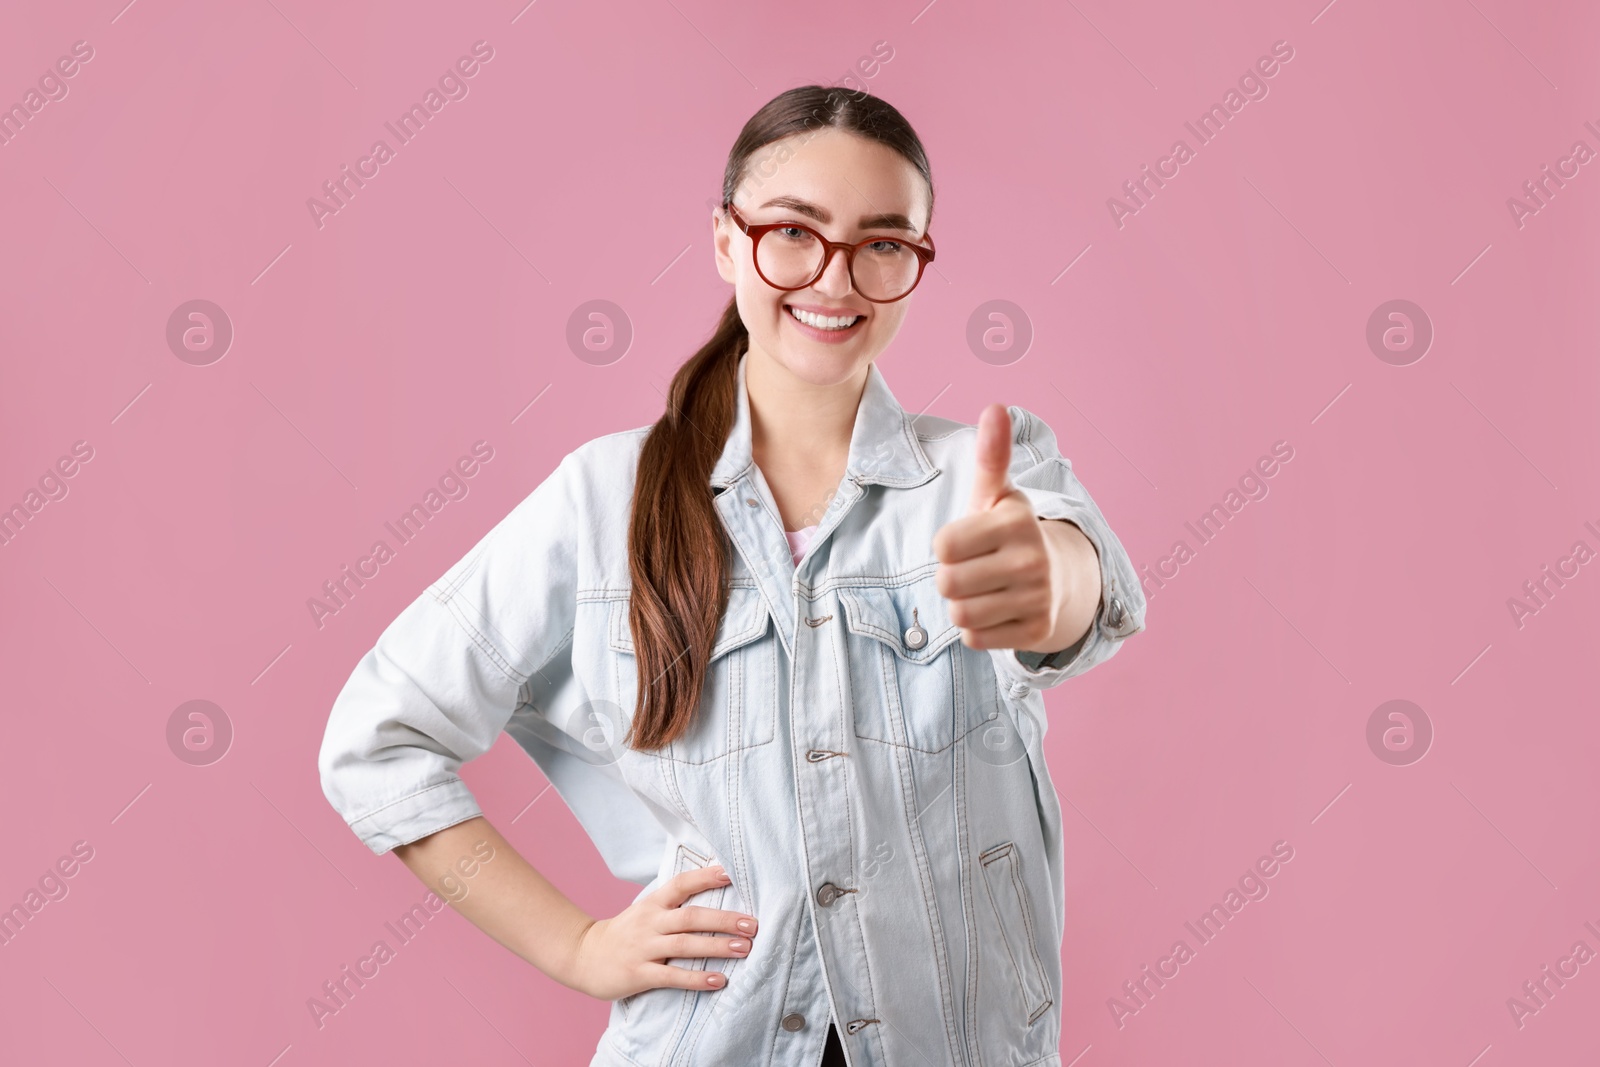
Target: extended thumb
[(994, 457)]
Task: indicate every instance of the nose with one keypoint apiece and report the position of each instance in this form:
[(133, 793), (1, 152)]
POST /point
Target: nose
[(835, 280)]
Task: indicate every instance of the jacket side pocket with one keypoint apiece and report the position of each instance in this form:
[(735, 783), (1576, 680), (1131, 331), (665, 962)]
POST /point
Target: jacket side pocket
[(688, 859), (1002, 876)]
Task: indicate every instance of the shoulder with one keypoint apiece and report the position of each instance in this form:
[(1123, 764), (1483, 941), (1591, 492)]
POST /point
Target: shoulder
[(600, 465), (572, 525), (609, 454)]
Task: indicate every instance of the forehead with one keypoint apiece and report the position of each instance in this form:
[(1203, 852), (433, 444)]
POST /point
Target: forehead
[(847, 175)]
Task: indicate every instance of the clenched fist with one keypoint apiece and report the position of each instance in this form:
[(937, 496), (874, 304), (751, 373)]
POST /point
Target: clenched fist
[(1013, 580)]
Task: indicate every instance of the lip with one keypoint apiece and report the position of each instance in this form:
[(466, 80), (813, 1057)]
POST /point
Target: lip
[(827, 337), (818, 309)]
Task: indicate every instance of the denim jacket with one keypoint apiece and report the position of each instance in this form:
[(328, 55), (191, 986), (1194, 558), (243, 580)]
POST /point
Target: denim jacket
[(876, 790)]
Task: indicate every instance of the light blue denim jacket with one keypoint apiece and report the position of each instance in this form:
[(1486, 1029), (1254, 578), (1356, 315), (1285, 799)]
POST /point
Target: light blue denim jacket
[(876, 790)]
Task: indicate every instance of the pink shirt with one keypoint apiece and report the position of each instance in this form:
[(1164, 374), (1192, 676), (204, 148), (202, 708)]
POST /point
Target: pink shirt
[(799, 540)]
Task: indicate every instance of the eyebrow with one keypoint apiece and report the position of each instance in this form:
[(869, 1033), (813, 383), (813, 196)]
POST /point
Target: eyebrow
[(887, 220)]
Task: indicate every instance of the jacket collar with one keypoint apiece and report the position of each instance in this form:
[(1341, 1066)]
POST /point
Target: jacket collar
[(883, 443)]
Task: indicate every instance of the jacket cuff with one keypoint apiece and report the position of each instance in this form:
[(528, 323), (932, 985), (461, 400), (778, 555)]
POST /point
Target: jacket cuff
[(1120, 613), (429, 810)]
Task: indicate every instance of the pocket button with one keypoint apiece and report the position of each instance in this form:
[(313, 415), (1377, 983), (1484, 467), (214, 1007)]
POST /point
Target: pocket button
[(915, 636)]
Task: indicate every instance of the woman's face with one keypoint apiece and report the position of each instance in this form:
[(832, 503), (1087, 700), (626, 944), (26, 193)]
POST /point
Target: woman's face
[(831, 181)]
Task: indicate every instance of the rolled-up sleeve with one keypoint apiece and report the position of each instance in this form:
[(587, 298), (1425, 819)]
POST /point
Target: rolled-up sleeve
[(443, 678), (1040, 471)]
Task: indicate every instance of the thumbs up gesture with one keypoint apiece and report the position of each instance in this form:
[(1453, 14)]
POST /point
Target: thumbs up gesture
[(1013, 580)]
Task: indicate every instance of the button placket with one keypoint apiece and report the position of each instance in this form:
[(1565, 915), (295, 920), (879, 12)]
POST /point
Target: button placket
[(814, 725)]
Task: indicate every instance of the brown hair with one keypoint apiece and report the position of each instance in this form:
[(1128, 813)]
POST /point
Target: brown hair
[(678, 551)]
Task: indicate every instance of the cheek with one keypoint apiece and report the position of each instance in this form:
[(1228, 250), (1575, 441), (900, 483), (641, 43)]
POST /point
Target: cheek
[(889, 317)]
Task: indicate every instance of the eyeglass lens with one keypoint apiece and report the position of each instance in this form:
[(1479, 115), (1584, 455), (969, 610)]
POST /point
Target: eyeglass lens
[(790, 256)]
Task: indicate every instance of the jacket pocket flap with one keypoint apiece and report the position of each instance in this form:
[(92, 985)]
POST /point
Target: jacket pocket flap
[(887, 613), (744, 621)]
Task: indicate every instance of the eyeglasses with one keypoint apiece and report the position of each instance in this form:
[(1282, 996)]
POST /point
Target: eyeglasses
[(882, 269)]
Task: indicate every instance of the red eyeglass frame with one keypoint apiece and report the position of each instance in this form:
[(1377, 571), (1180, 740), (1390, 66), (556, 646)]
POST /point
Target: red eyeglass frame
[(757, 231)]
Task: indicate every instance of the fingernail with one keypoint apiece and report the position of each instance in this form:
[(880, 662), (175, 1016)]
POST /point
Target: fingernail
[(746, 925), (739, 946), (713, 979)]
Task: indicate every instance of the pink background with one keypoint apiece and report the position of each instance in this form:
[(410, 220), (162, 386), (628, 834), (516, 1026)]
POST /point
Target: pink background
[(1228, 314)]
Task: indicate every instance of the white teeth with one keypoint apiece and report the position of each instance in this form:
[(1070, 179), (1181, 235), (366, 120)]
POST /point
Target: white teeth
[(823, 322)]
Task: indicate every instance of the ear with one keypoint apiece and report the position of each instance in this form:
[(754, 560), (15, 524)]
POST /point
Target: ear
[(721, 240)]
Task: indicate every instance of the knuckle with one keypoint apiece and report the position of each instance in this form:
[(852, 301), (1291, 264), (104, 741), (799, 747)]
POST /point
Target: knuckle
[(694, 946)]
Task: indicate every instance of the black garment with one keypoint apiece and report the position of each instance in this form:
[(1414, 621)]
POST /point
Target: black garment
[(832, 1052)]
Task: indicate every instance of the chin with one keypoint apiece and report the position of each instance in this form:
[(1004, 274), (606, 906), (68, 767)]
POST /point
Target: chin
[(821, 367)]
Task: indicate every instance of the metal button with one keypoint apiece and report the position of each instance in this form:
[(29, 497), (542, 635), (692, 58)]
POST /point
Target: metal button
[(827, 893), (915, 636), (752, 502), (1115, 615), (794, 1021)]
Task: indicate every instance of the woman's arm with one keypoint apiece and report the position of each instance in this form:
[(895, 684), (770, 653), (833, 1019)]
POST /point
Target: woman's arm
[(503, 895), (1033, 565), (471, 865), (1014, 579), (435, 691), (1075, 578)]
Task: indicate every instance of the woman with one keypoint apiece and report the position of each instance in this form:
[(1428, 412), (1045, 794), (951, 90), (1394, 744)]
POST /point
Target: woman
[(781, 653)]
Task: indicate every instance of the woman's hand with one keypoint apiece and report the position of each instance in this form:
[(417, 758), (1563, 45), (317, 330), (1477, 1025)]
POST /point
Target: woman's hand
[(621, 956), (1013, 580)]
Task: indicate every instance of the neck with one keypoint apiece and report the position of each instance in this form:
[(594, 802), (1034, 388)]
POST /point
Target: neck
[(796, 423)]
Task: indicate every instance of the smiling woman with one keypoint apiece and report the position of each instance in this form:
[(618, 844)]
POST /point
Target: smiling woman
[(787, 741)]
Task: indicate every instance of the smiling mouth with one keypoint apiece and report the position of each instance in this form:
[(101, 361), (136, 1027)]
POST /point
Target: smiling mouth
[(823, 322)]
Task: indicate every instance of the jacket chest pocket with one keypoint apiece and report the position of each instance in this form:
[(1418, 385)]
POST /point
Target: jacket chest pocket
[(738, 706), (912, 682)]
